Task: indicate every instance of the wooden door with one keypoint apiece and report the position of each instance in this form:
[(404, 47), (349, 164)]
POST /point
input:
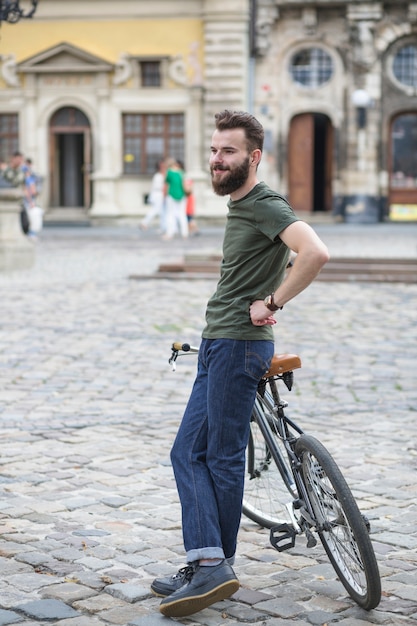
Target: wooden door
[(300, 162)]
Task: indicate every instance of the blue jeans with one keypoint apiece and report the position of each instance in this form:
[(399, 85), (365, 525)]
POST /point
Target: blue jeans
[(208, 455)]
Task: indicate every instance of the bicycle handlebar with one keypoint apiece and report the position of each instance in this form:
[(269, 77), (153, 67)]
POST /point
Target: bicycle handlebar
[(178, 347), (183, 347)]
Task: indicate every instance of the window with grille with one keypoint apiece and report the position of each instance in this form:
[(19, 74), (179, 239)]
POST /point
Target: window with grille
[(404, 151), (405, 65), (311, 67), (150, 72), (9, 135), (148, 138)]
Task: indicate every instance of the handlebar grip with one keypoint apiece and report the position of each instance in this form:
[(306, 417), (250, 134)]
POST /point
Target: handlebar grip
[(185, 347)]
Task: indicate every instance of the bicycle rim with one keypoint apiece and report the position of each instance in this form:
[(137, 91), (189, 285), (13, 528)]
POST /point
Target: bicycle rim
[(267, 490), (340, 525)]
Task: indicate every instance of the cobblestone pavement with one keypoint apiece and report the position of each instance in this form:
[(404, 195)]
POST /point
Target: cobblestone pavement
[(89, 408)]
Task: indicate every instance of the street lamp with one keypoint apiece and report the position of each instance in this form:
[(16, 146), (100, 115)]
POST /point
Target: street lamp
[(11, 12), (361, 100)]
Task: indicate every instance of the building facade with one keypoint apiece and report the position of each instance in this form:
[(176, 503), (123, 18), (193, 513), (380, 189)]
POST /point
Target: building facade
[(96, 92)]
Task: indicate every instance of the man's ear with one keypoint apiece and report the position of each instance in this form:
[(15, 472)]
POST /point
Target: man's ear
[(256, 157)]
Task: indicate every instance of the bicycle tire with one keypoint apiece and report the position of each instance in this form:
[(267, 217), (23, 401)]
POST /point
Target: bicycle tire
[(269, 483), (341, 528)]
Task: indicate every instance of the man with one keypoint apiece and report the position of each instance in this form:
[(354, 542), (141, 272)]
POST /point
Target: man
[(14, 174), (208, 455)]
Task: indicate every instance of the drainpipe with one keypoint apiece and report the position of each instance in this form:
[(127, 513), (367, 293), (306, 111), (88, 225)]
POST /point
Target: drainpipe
[(252, 55)]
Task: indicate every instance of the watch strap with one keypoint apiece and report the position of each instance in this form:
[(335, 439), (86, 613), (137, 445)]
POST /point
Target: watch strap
[(270, 304)]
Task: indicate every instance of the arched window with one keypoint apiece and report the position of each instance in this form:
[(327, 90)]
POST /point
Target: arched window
[(69, 116), (311, 67), (404, 65)]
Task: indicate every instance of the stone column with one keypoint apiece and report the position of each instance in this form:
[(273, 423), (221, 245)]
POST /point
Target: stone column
[(196, 159), (16, 251), (104, 178), (360, 178)]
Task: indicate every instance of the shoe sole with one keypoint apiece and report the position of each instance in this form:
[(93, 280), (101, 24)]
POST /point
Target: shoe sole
[(188, 606), (158, 594)]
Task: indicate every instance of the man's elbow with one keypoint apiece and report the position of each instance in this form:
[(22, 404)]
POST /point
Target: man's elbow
[(319, 256), (323, 255)]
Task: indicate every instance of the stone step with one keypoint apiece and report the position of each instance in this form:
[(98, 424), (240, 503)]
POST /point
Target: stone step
[(339, 269)]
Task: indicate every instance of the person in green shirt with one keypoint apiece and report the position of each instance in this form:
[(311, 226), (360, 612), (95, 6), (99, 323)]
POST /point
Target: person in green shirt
[(208, 455), (176, 216)]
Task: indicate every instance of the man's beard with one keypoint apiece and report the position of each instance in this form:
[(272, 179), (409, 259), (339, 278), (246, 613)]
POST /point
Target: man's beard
[(233, 181)]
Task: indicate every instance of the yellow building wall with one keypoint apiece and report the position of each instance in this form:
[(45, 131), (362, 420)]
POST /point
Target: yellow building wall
[(105, 39)]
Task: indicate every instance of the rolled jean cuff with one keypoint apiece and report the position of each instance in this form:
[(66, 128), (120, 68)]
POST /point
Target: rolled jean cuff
[(204, 553)]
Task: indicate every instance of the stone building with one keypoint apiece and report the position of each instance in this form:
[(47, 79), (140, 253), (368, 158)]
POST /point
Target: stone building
[(95, 92), (336, 87)]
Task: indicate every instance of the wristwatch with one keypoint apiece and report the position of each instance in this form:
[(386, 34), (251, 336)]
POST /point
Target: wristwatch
[(270, 304)]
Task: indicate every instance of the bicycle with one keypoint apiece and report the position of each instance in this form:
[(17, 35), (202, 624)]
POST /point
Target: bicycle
[(294, 486)]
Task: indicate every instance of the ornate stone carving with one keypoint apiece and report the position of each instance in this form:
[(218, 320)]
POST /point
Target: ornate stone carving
[(195, 65), (177, 70), (122, 69), (412, 12), (9, 70), (309, 19), (363, 46), (266, 15)]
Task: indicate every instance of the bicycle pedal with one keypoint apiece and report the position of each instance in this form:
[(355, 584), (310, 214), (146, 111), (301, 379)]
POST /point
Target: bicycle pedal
[(282, 537)]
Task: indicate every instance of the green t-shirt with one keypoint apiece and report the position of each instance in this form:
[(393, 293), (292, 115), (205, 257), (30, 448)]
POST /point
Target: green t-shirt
[(174, 180), (253, 265)]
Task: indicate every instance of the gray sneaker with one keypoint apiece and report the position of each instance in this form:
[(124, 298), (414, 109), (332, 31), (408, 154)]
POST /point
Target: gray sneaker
[(207, 586), (163, 587)]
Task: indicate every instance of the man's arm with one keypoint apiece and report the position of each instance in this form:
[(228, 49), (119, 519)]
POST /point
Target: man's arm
[(312, 254)]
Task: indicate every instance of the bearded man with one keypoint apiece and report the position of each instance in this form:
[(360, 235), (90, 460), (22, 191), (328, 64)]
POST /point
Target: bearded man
[(208, 455)]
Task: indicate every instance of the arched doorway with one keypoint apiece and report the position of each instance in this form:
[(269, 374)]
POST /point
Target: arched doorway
[(70, 159), (310, 150), (403, 166)]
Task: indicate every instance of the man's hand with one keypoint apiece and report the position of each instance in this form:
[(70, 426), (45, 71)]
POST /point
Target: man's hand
[(260, 315)]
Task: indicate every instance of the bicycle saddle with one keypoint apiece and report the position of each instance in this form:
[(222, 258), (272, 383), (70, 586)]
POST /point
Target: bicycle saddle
[(282, 363)]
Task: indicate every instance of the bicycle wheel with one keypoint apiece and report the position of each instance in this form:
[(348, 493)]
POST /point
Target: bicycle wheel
[(269, 483), (340, 524)]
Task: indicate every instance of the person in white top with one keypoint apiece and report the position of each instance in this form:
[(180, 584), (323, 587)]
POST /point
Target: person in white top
[(156, 199)]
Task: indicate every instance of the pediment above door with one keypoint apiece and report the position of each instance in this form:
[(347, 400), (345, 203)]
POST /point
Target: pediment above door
[(64, 58)]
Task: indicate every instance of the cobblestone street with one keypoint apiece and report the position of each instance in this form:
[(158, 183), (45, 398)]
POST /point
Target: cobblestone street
[(89, 408)]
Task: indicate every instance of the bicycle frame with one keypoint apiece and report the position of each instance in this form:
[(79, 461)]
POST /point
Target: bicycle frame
[(283, 536), (320, 499)]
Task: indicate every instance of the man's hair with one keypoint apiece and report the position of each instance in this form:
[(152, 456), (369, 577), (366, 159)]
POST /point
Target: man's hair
[(254, 132)]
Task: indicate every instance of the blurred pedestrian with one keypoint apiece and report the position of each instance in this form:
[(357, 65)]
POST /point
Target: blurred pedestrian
[(190, 206), (156, 199), (175, 197), (34, 211), (14, 173)]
